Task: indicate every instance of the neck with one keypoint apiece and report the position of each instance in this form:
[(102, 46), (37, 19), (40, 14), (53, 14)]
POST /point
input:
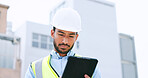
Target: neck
[(60, 53)]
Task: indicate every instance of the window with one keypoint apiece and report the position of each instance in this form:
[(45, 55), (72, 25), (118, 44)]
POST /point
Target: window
[(35, 44), (6, 54), (129, 71), (35, 36), (42, 41), (50, 43), (127, 50), (44, 38), (128, 58), (44, 45), (35, 41)]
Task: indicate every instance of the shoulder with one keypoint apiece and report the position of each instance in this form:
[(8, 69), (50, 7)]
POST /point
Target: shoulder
[(39, 60), (29, 73)]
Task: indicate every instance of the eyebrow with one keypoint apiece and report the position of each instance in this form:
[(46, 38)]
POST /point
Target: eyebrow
[(64, 33), (72, 34), (61, 32)]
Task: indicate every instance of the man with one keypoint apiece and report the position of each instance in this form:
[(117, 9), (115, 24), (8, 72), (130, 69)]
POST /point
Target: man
[(66, 25)]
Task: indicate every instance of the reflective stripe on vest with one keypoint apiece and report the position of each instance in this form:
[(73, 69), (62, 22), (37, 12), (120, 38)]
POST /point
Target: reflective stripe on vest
[(38, 72), (43, 69), (47, 70)]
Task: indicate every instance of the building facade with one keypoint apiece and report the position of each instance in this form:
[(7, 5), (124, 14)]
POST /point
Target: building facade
[(36, 43), (9, 48), (99, 37), (9, 57), (128, 56), (9, 29), (3, 18)]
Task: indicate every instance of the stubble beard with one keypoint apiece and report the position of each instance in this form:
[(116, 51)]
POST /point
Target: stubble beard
[(59, 51)]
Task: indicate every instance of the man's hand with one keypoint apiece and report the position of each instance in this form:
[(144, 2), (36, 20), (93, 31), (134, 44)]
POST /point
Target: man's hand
[(86, 76)]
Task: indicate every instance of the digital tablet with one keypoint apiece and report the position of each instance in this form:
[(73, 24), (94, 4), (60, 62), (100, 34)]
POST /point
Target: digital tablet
[(77, 67)]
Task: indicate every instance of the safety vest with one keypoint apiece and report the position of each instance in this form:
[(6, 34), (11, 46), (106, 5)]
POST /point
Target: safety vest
[(42, 68)]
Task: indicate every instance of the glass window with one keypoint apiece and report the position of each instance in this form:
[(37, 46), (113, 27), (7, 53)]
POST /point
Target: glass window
[(129, 71), (35, 44), (129, 68), (42, 41), (1, 61), (43, 38), (127, 50), (6, 54), (8, 63), (44, 45), (35, 36)]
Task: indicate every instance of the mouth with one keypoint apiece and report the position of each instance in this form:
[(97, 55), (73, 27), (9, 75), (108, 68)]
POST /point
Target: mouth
[(63, 46)]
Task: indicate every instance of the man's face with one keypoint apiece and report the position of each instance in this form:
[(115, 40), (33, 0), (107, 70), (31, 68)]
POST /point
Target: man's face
[(63, 40)]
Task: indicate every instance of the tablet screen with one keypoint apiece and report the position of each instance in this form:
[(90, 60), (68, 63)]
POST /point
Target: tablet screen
[(77, 67)]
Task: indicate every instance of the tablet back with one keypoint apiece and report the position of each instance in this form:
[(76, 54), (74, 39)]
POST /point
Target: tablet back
[(77, 67)]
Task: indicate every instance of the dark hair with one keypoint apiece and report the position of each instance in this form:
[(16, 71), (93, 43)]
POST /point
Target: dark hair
[(54, 28)]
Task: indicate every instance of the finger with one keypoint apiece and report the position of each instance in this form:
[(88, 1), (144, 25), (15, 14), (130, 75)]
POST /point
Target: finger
[(86, 76)]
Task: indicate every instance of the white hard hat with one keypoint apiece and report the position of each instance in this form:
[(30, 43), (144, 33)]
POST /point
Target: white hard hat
[(67, 19)]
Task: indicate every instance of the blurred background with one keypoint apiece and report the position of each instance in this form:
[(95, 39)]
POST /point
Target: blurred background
[(113, 31)]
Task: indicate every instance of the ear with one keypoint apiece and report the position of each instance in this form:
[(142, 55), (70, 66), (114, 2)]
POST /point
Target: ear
[(52, 33)]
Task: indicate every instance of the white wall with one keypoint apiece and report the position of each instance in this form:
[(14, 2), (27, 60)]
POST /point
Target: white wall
[(99, 36), (21, 32), (29, 53)]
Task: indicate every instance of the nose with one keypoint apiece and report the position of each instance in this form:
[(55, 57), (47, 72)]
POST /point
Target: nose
[(65, 40)]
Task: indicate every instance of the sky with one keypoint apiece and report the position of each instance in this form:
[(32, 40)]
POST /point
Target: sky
[(132, 19), (29, 10)]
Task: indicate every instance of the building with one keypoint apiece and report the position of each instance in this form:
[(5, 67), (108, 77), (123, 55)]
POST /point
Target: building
[(3, 18), (36, 43), (99, 37), (128, 56), (9, 29), (100, 34), (9, 57), (9, 48), (32, 46)]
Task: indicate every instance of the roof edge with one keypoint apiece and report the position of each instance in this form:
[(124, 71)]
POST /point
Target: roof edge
[(4, 6)]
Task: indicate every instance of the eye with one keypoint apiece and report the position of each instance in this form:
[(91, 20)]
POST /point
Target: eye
[(71, 36), (60, 34)]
